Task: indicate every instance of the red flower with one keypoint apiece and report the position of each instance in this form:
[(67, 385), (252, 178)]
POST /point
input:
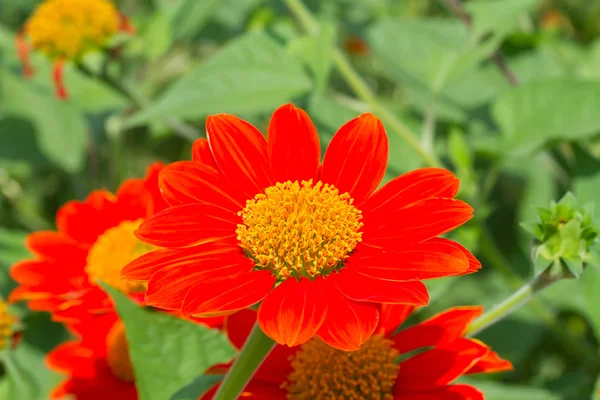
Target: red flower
[(96, 363), (94, 240), (418, 363), (251, 220)]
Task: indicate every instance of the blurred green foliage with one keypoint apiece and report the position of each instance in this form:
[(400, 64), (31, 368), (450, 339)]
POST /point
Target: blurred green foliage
[(516, 145)]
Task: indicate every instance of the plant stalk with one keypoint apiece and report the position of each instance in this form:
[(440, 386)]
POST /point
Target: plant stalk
[(360, 87), (255, 350)]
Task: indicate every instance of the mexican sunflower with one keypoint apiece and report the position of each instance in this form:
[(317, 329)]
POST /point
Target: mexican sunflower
[(67, 30), (96, 362), (94, 240), (417, 363), (253, 220)]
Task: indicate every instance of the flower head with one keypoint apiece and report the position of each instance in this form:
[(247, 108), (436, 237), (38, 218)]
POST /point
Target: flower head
[(7, 325), (418, 363), (94, 241), (67, 30), (255, 220), (96, 363)]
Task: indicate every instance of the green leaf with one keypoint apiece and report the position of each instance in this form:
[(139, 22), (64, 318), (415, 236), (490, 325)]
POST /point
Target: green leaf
[(12, 249), (319, 55), (198, 387), (167, 352), (500, 391), (498, 17), (61, 131), (191, 17), (538, 112), (251, 74)]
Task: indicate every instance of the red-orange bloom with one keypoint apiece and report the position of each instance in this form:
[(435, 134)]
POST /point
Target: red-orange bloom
[(93, 242), (96, 363), (253, 219), (418, 363)]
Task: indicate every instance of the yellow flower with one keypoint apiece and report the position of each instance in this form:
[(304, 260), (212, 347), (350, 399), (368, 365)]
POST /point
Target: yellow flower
[(7, 323), (68, 28)]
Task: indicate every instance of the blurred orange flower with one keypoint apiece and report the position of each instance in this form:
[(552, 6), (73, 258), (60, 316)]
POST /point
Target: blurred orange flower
[(94, 241), (418, 363), (66, 30), (251, 220), (96, 362)]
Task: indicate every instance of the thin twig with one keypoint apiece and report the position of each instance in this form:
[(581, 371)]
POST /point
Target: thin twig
[(497, 57)]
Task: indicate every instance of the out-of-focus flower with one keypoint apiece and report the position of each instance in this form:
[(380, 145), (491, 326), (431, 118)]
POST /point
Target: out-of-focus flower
[(251, 219), (565, 239), (96, 362), (7, 325), (356, 45), (66, 30), (94, 241), (418, 363)]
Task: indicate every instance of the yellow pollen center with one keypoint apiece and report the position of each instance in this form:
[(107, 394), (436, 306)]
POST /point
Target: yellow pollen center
[(322, 372), (299, 229), (118, 353), (114, 249), (68, 28), (7, 322)]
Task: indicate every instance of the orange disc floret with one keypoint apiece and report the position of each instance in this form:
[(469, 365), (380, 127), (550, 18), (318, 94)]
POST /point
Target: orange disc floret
[(420, 362), (94, 240), (254, 219), (96, 363)]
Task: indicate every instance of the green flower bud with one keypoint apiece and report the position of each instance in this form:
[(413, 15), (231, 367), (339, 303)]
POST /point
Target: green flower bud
[(565, 240)]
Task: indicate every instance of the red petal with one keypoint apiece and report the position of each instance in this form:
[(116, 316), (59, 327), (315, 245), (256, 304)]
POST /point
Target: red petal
[(440, 366), (356, 158), (188, 225), (142, 268), (409, 188), (201, 153), (420, 261), (55, 246), (239, 326), (221, 296), (441, 328), (84, 221), (240, 151), (364, 288), (416, 223), (474, 264), (490, 363), (293, 312), (391, 316), (348, 324), (294, 148), (187, 182), (168, 287), (454, 392)]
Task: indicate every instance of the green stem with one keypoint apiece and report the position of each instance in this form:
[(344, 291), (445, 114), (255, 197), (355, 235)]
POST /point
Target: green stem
[(255, 350), (503, 309), (496, 260), (360, 87)]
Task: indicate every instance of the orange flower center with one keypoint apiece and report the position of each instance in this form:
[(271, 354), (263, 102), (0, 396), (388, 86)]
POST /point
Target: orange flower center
[(68, 28), (7, 322), (322, 372), (114, 249), (300, 229), (118, 353)]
